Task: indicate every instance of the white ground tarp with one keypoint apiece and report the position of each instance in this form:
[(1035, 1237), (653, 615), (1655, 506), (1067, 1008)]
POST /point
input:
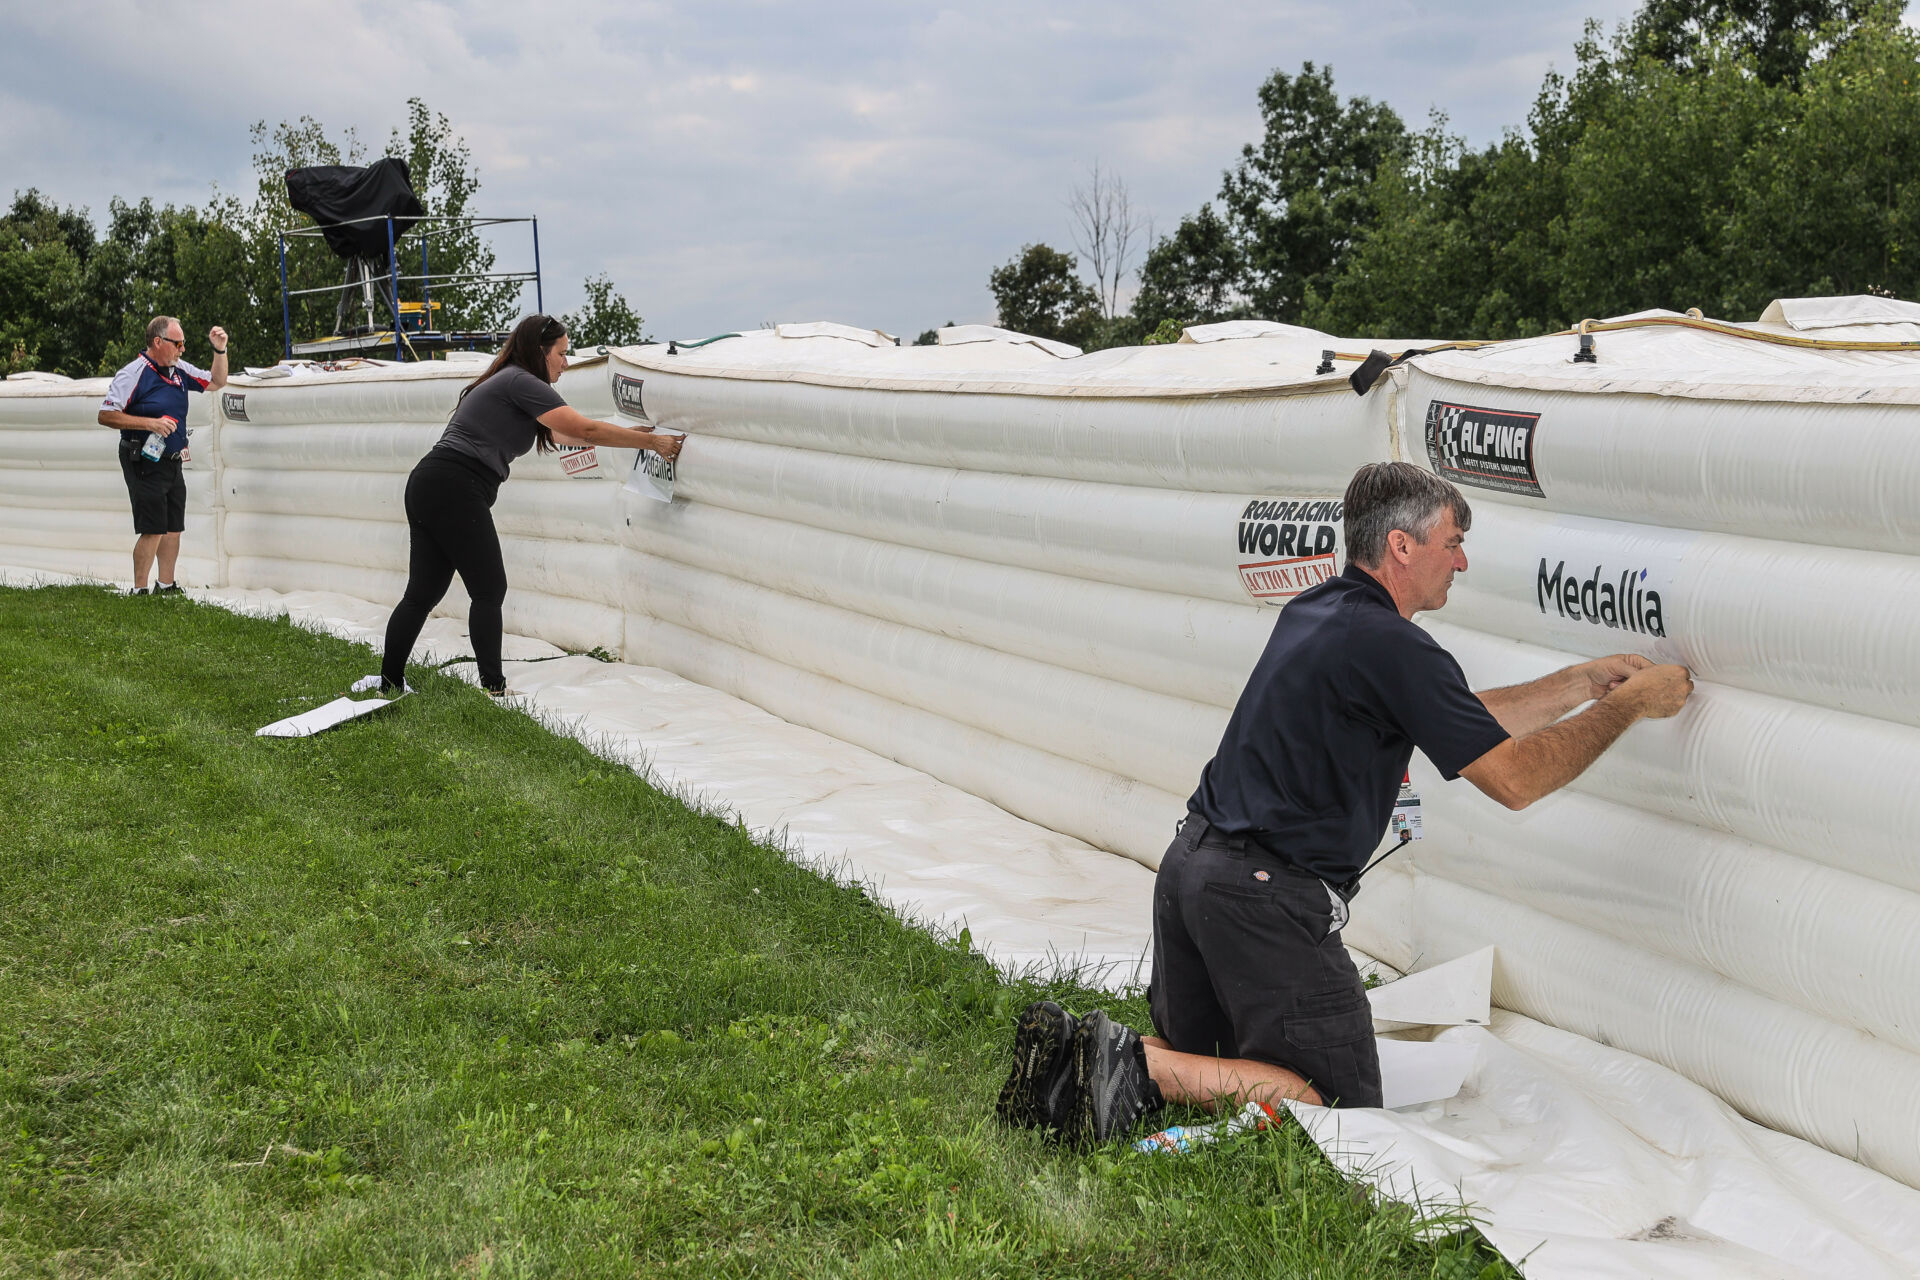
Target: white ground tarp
[(1041, 580)]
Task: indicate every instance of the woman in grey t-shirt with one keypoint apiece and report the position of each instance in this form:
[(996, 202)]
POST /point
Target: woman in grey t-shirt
[(501, 414)]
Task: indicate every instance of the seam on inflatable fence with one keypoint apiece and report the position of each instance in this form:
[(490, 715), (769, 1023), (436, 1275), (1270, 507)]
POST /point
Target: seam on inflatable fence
[(1741, 392), (1322, 386)]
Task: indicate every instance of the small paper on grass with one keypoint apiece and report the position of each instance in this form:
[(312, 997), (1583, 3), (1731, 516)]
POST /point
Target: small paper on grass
[(322, 718), (1457, 993), (1413, 1072)]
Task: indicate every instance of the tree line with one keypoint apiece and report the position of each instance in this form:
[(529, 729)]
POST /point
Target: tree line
[(75, 299), (1710, 153)]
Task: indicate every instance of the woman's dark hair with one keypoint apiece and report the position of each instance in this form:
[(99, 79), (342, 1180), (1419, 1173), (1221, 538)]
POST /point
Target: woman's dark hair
[(526, 349)]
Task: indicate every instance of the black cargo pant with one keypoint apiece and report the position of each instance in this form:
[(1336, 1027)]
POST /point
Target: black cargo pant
[(1248, 963)]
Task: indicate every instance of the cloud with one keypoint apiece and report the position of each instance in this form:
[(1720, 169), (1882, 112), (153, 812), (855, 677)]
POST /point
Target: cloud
[(746, 160)]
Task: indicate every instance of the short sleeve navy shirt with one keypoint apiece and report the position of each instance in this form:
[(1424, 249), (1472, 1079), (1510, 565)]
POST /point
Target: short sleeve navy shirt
[(1311, 762), (145, 390)]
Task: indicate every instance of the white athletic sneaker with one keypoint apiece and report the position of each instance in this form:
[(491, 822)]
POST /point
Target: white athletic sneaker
[(371, 684)]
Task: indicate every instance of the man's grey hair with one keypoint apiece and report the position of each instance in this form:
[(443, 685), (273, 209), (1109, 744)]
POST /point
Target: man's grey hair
[(158, 326), (1384, 496)]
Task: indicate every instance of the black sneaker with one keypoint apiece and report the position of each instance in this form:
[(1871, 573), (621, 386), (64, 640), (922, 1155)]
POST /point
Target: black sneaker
[(1113, 1090), (139, 591), (1039, 1092), (167, 589)]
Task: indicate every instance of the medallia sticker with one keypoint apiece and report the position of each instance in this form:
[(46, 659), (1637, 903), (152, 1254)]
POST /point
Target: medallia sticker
[(652, 475)]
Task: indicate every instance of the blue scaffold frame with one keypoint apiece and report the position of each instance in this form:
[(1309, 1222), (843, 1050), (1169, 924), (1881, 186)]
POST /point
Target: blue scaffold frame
[(390, 283)]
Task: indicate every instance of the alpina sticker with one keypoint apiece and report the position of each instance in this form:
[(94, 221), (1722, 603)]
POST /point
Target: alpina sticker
[(626, 396), (1486, 448)]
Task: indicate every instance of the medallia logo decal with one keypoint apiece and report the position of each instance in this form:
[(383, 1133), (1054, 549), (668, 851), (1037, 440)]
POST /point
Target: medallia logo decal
[(1622, 601), (1486, 448)]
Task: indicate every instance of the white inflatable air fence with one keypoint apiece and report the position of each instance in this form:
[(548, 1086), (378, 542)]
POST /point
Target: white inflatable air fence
[(1043, 576)]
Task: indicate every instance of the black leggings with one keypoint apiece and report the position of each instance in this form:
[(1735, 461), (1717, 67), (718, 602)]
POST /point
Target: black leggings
[(450, 525)]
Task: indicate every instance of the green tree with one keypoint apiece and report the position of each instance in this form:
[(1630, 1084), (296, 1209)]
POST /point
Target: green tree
[(1193, 276), (1038, 293), (77, 303), (1776, 35), (1651, 180), (443, 176), (605, 319), (445, 180), (1303, 195), (1644, 181), (1828, 202), (43, 254)]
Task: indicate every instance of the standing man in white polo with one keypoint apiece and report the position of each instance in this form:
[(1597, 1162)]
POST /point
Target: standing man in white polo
[(149, 397)]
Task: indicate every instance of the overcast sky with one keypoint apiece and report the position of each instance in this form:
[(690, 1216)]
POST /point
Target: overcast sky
[(735, 162)]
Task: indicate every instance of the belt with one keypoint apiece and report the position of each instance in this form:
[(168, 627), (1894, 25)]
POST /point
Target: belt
[(1204, 830)]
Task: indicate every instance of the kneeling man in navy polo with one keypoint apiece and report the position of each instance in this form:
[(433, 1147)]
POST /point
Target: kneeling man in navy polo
[(1254, 997)]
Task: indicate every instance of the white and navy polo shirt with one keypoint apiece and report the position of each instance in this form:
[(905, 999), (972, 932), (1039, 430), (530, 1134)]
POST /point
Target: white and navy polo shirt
[(146, 390)]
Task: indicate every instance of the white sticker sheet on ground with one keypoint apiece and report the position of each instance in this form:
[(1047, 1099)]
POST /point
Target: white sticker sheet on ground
[(1591, 1164), (330, 715), (1416, 1072), (1457, 993)]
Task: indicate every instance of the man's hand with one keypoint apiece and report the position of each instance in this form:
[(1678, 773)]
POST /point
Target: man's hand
[(165, 426), (1522, 769), (667, 446), (218, 337), (1656, 692), (1604, 675)]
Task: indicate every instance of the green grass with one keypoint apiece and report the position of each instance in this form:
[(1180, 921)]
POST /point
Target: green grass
[(442, 994)]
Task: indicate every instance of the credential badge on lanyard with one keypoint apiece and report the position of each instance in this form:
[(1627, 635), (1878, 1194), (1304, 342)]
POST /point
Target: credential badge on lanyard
[(1406, 812)]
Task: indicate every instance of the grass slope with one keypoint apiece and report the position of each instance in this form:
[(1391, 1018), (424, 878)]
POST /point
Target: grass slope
[(441, 994)]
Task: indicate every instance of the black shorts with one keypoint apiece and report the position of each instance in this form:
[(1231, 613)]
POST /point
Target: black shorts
[(158, 490), (1247, 964)]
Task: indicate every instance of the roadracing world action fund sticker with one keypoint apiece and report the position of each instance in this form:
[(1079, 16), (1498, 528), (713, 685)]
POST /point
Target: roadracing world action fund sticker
[(1486, 448), (1287, 545)]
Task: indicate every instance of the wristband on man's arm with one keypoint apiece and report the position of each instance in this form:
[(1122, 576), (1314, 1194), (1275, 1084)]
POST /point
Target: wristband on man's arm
[(219, 351)]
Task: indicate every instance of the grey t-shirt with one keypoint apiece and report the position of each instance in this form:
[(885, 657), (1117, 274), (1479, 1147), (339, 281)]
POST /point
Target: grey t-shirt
[(495, 421)]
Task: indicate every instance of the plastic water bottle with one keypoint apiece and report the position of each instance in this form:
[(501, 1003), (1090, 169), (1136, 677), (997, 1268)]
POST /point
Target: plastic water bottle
[(156, 442), (1251, 1118)]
